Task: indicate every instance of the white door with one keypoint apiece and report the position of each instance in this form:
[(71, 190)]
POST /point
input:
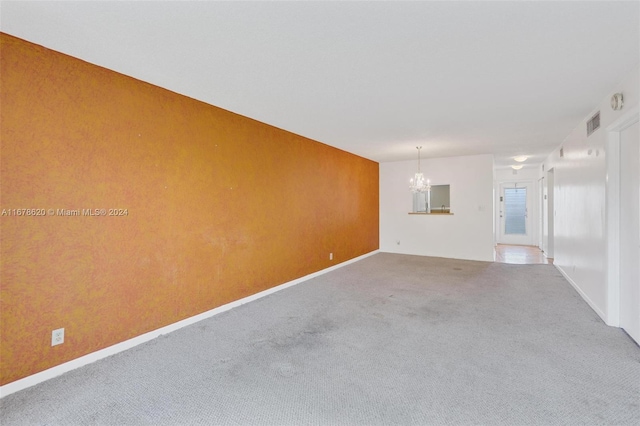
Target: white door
[(514, 214), (551, 213), (545, 216), (630, 231), (541, 193)]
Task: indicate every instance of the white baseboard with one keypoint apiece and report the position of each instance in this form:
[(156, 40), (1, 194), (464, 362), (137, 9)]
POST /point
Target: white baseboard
[(583, 294), (52, 372)]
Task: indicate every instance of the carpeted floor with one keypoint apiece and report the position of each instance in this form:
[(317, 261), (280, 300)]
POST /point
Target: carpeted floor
[(392, 339)]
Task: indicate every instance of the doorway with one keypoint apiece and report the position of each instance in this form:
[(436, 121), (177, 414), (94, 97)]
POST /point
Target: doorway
[(514, 218)]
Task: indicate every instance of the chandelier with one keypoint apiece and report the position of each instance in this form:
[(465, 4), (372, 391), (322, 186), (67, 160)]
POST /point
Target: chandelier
[(419, 183)]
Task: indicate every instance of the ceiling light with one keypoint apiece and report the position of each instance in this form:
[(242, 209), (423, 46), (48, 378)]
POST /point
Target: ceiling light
[(520, 158), (418, 183), (517, 167)]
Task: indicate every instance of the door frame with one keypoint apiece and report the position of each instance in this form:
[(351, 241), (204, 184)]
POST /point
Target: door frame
[(612, 212), (550, 213), (541, 183), (531, 198)]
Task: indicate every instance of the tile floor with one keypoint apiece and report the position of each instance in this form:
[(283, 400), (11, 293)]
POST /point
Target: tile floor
[(523, 255)]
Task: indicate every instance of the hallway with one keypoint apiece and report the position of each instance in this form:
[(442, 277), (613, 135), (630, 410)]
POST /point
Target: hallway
[(522, 255)]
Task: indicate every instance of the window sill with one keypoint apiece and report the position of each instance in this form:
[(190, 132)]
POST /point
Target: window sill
[(434, 213)]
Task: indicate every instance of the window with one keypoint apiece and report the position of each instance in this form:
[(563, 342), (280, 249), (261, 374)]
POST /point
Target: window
[(515, 207)]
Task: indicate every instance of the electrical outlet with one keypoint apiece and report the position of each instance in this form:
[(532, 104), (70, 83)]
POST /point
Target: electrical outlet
[(330, 256), (57, 337)]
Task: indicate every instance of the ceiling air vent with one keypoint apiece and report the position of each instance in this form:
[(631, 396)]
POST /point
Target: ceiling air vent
[(593, 124)]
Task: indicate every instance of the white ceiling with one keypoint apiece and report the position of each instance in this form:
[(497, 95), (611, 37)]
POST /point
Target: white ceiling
[(373, 78)]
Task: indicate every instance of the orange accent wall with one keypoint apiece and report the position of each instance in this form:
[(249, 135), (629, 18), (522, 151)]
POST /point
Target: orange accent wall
[(219, 207)]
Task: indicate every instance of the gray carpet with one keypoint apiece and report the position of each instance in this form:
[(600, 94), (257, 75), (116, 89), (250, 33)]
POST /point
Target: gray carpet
[(392, 339)]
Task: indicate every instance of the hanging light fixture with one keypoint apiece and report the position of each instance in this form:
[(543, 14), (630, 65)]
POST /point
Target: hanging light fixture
[(418, 183)]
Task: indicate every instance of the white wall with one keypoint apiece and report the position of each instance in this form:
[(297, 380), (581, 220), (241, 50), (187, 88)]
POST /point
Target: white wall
[(528, 174), (467, 234), (580, 240)]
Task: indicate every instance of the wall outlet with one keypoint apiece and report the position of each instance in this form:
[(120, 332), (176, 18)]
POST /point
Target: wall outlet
[(330, 256), (57, 337)]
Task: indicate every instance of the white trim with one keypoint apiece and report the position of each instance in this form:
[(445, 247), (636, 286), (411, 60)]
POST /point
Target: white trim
[(613, 213), (52, 372), (582, 294)]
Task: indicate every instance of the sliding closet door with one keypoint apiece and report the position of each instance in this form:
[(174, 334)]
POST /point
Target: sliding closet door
[(630, 231)]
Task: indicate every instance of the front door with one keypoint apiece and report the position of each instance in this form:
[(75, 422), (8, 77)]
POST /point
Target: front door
[(515, 220)]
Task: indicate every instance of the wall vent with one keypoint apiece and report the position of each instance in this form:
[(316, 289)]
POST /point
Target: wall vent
[(561, 152), (593, 124)]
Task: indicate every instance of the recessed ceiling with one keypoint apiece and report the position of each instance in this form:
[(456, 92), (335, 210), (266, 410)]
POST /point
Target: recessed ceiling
[(373, 78)]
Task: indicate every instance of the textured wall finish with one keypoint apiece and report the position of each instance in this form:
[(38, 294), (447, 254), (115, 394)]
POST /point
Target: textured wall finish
[(218, 207)]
